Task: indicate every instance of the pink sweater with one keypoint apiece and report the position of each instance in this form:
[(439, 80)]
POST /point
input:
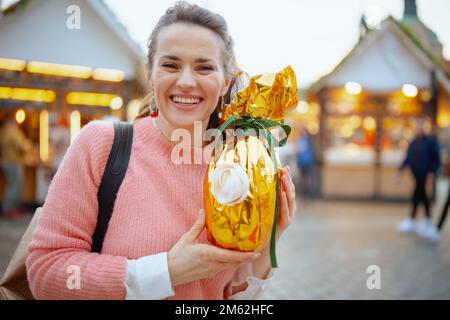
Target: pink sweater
[(157, 203)]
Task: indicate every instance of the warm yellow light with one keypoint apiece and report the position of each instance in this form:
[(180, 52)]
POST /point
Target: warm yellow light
[(75, 124), (303, 107), (24, 94), (313, 127), (404, 144), (108, 75), (314, 108), (355, 121), (369, 124), (443, 120), (353, 88), (12, 64), (425, 95), (43, 135), (116, 103), (61, 70), (20, 116), (90, 99), (33, 95), (5, 92), (410, 90), (346, 131)]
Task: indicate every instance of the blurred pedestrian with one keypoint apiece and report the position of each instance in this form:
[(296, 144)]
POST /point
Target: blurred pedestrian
[(305, 161), (288, 155), (13, 148), (441, 221), (437, 237), (59, 140), (423, 159)]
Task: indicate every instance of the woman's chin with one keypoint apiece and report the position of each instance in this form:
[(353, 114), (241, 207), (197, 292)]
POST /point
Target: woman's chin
[(185, 121), (184, 118)]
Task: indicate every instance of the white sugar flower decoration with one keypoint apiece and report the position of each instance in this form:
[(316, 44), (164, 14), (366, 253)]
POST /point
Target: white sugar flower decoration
[(229, 184)]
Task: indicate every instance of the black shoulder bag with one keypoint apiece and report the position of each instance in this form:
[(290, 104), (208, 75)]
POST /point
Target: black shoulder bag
[(112, 178)]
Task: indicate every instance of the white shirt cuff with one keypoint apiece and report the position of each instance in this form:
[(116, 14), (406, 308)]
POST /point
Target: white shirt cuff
[(254, 285), (148, 278)]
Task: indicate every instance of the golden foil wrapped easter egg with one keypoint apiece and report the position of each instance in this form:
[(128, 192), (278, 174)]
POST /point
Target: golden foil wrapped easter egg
[(241, 185), (240, 194)]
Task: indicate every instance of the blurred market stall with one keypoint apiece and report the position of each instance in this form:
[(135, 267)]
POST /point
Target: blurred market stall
[(364, 112), (64, 63)]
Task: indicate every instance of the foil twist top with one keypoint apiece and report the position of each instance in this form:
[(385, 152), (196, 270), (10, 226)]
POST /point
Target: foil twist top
[(267, 96)]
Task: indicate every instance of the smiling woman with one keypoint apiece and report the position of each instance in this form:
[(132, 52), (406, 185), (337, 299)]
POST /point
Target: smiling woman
[(155, 247), (190, 53)]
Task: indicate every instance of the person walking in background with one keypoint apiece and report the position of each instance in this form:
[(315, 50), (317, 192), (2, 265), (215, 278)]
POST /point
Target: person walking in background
[(443, 216), (59, 140), (288, 156), (423, 159), (437, 236), (305, 161), (13, 148)]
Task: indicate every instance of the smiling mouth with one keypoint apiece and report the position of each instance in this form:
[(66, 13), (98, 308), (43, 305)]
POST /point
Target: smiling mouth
[(186, 101)]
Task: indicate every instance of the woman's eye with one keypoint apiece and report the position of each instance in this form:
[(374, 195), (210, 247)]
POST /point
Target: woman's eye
[(169, 65), (206, 68)]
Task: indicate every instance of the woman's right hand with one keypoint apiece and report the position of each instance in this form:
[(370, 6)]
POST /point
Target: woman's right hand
[(189, 261)]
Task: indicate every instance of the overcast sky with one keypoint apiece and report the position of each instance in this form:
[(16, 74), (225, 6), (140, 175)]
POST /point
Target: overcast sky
[(311, 35)]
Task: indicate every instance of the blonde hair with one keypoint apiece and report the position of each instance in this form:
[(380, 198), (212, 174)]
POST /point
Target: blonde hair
[(193, 14)]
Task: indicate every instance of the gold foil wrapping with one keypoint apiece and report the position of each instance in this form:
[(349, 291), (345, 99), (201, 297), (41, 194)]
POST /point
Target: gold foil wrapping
[(247, 225), (267, 96)]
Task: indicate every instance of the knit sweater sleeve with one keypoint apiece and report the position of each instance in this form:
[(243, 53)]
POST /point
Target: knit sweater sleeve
[(60, 264)]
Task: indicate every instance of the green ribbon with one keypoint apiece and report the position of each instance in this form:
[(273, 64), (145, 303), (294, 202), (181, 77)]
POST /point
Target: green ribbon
[(245, 123)]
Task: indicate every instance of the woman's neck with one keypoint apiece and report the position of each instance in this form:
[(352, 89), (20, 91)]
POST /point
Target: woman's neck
[(196, 132)]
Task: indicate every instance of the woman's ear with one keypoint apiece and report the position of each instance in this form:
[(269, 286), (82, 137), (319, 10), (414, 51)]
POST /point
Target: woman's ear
[(148, 75), (150, 83), (226, 86)]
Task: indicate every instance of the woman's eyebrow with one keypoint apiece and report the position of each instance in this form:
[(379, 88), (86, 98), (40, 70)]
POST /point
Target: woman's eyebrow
[(168, 57), (175, 58), (203, 60)]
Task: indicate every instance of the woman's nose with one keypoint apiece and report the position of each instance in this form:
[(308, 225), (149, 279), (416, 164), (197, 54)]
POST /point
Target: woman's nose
[(186, 81)]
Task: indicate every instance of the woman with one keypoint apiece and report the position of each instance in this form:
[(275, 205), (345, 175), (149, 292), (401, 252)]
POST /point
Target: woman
[(154, 247)]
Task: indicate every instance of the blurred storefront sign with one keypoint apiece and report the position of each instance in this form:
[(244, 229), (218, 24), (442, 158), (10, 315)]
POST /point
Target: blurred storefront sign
[(52, 74)]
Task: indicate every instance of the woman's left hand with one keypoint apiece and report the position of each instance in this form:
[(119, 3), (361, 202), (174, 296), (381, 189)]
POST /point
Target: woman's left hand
[(286, 214)]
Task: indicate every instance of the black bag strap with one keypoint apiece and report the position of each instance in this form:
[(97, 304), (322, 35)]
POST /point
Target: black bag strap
[(112, 178)]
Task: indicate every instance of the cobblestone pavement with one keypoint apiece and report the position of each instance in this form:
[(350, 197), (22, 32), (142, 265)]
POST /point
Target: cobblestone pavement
[(326, 252)]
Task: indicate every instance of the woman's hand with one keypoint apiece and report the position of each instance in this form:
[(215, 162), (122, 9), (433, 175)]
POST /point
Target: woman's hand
[(189, 261), (286, 214)]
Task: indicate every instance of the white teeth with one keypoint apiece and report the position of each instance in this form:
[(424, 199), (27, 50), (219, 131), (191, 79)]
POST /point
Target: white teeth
[(186, 100)]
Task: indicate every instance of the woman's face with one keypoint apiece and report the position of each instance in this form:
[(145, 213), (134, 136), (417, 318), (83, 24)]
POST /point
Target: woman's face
[(187, 75)]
